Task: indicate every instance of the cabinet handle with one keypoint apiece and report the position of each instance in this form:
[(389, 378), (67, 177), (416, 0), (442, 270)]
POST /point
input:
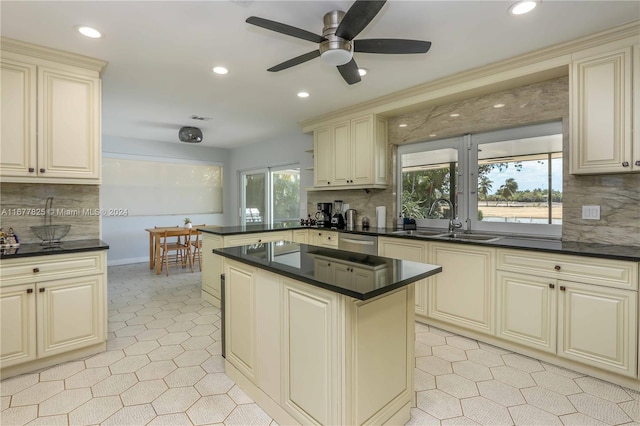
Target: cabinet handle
[(31, 170), (625, 164), (41, 290), (552, 286), (36, 270), (562, 288), (557, 267), (42, 170), (29, 290)]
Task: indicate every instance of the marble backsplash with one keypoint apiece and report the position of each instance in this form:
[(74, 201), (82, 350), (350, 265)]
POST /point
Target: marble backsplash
[(617, 195), (23, 205)]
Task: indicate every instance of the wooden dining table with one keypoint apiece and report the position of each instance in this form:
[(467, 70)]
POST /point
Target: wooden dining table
[(154, 243)]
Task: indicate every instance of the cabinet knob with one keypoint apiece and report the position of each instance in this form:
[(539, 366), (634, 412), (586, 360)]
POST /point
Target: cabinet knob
[(637, 163), (328, 238), (562, 288), (328, 183), (41, 290), (557, 267), (625, 164), (29, 290), (31, 170), (42, 170), (259, 241), (552, 286), (36, 270)]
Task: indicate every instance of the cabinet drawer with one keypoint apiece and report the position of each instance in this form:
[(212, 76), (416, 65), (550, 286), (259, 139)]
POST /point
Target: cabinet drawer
[(243, 240), (590, 270), (45, 268)]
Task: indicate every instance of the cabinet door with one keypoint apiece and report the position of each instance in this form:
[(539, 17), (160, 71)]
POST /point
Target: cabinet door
[(601, 113), (598, 326), (323, 270), (301, 236), (17, 324), (322, 157), (362, 150), (636, 109), (341, 147), (415, 252), (70, 314), (211, 265), (68, 125), (527, 310), (18, 119), (462, 294)]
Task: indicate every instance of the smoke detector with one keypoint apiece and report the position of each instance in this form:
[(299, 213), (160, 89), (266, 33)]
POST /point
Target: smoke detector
[(190, 135)]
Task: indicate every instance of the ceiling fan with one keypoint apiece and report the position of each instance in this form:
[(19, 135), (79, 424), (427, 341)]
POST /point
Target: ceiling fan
[(337, 44)]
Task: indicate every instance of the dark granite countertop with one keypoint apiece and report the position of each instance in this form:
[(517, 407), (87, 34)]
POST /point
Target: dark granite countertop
[(308, 264), (72, 246), (609, 251)]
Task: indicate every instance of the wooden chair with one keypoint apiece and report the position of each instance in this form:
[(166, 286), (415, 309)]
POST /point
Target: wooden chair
[(170, 242), (196, 245)]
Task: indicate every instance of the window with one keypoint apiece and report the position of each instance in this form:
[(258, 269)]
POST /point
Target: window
[(503, 181), (270, 196)]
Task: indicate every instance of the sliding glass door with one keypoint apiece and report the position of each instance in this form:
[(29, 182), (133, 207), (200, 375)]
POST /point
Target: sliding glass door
[(270, 196)]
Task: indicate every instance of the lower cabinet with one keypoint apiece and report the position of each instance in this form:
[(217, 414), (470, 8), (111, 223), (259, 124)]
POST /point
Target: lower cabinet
[(300, 236), (48, 310), (463, 293), (320, 237)]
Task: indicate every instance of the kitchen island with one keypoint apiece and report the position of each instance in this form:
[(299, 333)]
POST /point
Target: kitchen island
[(321, 336)]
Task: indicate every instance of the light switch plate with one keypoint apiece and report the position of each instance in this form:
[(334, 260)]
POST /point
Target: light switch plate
[(591, 212)]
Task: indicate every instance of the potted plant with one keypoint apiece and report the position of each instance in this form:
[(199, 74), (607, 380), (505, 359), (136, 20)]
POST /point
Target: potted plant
[(187, 223)]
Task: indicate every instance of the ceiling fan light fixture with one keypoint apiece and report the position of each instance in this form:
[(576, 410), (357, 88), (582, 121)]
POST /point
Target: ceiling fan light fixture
[(362, 71), (303, 94), (522, 7), (220, 70), (336, 57), (89, 32)]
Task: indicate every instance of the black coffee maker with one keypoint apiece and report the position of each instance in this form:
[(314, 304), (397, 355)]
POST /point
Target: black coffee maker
[(337, 220), (323, 215)]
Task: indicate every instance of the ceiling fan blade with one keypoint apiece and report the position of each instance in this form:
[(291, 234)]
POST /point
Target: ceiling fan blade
[(358, 17), (285, 29), (391, 45), (295, 61), (350, 72)]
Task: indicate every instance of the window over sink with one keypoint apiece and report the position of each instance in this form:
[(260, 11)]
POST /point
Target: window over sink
[(506, 181)]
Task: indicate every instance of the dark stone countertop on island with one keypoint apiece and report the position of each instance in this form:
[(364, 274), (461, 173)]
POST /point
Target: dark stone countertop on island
[(72, 246), (299, 262)]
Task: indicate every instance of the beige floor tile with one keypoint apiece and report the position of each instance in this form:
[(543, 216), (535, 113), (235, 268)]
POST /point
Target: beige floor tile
[(130, 331), (164, 353), (120, 343), (156, 370), (174, 338), (143, 392), (430, 339), (37, 393), (522, 362), (513, 376), (5, 401), (423, 380), (160, 323), (555, 382), (456, 386), (203, 330), (171, 420), (16, 384), (632, 409), (485, 412), (215, 364), (181, 326), (192, 358), (458, 421), (439, 404), (141, 348), (114, 385), (19, 415), (463, 343), (129, 364), (197, 342), (548, 400), (154, 334), (140, 320), (529, 415), (168, 313), (238, 396), (602, 389), (248, 414), (104, 359), (449, 353), (60, 420), (215, 348), (599, 409), (175, 400), (213, 384), (420, 418), (64, 402), (561, 371), (184, 376), (211, 409), (471, 370), (440, 332), (95, 411), (483, 357), (206, 319), (434, 365), (61, 371), (494, 349), (579, 419), (501, 393), (422, 349)]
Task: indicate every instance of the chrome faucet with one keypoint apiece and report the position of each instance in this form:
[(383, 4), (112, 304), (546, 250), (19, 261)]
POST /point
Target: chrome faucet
[(454, 223)]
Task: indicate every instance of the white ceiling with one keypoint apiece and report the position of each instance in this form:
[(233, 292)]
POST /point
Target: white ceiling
[(160, 55)]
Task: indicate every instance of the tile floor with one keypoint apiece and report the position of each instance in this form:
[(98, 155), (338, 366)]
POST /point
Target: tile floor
[(163, 367)]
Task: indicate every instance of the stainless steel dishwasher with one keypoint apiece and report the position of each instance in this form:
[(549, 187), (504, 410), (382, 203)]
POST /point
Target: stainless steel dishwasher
[(366, 244)]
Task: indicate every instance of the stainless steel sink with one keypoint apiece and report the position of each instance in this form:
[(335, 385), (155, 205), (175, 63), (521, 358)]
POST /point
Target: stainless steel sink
[(418, 233), (471, 237)]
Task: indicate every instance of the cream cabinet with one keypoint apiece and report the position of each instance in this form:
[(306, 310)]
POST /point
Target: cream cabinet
[(603, 82), (415, 251), (463, 293), (322, 237), (300, 236), (212, 264), (359, 278), (50, 115), (51, 306), (581, 309), (351, 154)]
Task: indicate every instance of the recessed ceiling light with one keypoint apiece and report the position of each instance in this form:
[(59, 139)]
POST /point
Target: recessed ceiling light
[(362, 71), (432, 135), (455, 114), (303, 94), (498, 105), (402, 125), (220, 70), (89, 32), (522, 7)]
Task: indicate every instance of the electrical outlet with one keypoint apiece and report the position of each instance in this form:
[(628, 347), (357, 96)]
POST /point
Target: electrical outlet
[(591, 212)]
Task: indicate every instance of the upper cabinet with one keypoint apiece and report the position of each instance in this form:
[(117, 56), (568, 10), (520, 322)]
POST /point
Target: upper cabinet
[(351, 154), (604, 82), (50, 124)]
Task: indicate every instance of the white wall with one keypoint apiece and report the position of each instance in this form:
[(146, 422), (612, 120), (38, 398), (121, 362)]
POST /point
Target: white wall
[(127, 239), (288, 150)]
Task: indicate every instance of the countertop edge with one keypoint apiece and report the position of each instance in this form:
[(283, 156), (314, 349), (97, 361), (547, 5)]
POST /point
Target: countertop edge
[(99, 245)]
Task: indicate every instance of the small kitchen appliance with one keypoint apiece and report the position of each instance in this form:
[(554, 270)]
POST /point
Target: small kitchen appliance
[(323, 215), (337, 220), (350, 217)]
